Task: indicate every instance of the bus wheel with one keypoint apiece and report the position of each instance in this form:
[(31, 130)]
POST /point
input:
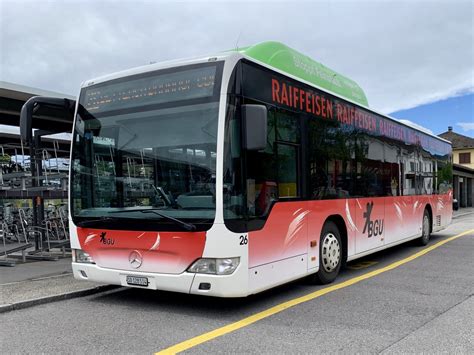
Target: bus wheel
[(425, 229), (330, 254)]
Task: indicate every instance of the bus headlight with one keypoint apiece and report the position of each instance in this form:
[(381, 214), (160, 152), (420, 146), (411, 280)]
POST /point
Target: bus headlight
[(80, 256), (224, 266)]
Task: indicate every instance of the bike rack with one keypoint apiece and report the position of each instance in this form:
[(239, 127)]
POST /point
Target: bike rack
[(8, 250)]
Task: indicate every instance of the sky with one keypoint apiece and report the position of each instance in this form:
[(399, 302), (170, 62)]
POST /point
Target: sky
[(412, 58), (457, 112)]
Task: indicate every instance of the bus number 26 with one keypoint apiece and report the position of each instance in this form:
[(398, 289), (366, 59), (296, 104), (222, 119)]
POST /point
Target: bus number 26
[(244, 240)]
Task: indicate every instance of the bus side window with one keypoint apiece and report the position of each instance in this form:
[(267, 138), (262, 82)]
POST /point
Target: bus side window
[(391, 170)]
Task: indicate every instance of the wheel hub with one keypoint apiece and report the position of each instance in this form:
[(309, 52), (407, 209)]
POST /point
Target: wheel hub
[(330, 252)]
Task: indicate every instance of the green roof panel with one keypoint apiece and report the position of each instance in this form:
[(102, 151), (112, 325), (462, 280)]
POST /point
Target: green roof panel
[(286, 59)]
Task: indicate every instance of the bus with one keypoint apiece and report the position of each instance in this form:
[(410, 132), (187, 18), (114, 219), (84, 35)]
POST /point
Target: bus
[(230, 174)]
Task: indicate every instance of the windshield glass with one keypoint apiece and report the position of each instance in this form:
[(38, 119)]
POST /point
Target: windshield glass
[(147, 142)]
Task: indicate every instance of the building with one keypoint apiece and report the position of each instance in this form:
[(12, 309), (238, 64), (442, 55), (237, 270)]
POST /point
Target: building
[(463, 166), (463, 148)]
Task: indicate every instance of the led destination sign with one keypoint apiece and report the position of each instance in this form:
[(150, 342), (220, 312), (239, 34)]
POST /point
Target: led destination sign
[(150, 90)]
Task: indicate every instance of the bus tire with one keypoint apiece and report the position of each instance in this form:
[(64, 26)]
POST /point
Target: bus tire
[(425, 229), (330, 254)]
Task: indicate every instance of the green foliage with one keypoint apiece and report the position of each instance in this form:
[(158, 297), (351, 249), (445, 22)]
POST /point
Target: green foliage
[(5, 159), (445, 174)]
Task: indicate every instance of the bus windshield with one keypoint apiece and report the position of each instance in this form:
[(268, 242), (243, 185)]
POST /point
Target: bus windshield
[(147, 142)]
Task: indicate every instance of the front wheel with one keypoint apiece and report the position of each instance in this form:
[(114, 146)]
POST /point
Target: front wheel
[(330, 254), (425, 229)]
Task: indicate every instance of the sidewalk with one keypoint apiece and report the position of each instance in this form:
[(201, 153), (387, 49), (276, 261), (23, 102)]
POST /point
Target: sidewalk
[(37, 282), (34, 270), (463, 211)]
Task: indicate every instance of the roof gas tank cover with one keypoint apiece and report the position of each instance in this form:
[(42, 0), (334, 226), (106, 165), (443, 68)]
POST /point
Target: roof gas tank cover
[(286, 59)]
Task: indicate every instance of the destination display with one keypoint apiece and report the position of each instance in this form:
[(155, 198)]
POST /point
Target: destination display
[(151, 90)]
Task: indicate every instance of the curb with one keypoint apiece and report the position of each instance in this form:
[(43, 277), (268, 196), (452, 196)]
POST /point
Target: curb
[(49, 299)]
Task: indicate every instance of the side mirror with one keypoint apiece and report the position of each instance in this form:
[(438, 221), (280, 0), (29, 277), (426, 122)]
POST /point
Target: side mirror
[(254, 118)]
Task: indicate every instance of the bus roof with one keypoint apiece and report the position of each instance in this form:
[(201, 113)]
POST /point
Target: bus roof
[(286, 59)]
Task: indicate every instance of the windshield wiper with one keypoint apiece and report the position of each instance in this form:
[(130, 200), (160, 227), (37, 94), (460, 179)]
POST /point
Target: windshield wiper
[(188, 226), (159, 191), (169, 200), (89, 222)]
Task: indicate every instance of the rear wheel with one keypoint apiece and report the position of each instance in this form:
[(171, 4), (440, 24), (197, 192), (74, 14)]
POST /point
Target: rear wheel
[(330, 254), (425, 229)]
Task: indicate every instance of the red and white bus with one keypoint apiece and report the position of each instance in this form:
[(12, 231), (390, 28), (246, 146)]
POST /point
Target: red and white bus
[(228, 175)]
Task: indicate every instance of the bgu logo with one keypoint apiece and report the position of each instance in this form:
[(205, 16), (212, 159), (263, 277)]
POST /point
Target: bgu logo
[(106, 241), (373, 228)]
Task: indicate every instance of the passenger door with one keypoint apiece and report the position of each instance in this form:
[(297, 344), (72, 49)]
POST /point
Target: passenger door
[(273, 176)]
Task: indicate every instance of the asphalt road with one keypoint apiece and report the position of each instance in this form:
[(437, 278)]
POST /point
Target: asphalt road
[(425, 305)]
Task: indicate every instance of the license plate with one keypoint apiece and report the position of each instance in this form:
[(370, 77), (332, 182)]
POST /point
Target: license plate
[(137, 280)]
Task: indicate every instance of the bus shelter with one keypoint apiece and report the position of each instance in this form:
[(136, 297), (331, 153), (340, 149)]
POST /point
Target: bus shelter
[(32, 171)]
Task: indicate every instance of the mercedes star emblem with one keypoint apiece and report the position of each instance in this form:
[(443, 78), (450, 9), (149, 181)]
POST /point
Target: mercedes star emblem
[(135, 259)]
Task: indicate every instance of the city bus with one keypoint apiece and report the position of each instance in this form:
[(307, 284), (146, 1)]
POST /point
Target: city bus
[(230, 174)]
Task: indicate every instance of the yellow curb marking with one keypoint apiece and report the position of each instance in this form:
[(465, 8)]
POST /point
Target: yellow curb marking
[(187, 344)]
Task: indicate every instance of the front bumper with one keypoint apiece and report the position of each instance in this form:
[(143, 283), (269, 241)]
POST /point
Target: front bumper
[(221, 286)]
